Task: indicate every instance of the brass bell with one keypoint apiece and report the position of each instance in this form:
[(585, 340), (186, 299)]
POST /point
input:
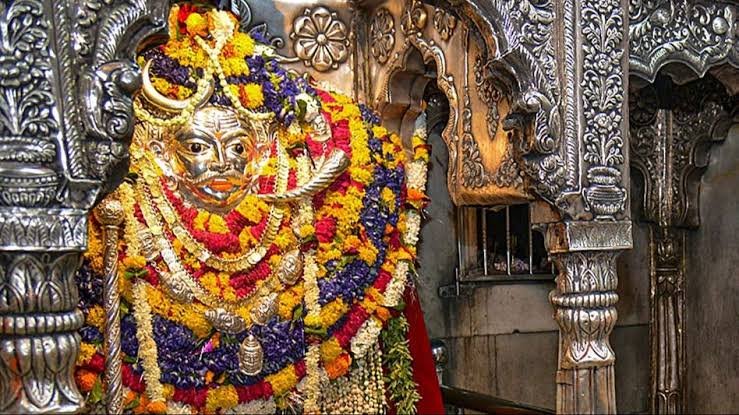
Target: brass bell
[(251, 356), (290, 268), (263, 312)]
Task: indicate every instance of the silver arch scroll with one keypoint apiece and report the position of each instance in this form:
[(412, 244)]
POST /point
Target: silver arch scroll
[(66, 78)]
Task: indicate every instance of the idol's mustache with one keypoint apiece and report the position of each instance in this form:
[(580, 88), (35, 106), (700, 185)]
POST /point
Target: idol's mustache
[(210, 175)]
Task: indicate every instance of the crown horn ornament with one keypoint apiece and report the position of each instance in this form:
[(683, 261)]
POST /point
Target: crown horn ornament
[(168, 104)]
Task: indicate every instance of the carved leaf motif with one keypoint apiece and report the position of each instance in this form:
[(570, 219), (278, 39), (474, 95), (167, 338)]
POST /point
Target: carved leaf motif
[(27, 121), (38, 389), (414, 17), (695, 33), (444, 23)]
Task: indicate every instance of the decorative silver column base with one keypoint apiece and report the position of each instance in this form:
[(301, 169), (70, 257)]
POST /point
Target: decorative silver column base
[(39, 342), (584, 302), (41, 252)]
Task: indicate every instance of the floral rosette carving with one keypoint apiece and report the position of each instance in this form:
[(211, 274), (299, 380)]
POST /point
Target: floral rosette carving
[(320, 39), (331, 280), (382, 35)]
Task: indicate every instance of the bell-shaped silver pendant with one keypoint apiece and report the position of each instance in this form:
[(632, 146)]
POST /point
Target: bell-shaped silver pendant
[(251, 356)]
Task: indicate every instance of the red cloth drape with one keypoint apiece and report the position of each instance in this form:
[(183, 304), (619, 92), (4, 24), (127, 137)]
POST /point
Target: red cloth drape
[(424, 371)]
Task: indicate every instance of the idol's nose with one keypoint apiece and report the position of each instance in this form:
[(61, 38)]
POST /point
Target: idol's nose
[(219, 166)]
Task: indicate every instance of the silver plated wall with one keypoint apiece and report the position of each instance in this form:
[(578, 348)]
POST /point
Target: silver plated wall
[(66, 76), (672, 130)]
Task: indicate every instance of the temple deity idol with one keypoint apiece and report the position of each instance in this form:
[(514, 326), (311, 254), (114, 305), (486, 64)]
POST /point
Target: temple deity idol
[(266, 257)]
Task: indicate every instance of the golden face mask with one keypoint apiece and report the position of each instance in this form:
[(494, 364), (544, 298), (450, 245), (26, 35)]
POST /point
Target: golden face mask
[(215, 157)]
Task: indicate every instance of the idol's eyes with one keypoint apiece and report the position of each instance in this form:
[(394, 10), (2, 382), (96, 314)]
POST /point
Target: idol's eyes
[(237, 147), (195, 146)]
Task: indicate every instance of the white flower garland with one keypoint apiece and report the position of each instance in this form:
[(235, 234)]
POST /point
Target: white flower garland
[(254, 407), (147, 345), (312, 389), (366, 337), (396, 287), (179, 408)]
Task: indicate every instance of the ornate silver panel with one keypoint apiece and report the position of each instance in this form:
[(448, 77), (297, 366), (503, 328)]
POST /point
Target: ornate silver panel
[(672, 129), (696, 34), (525, 66)]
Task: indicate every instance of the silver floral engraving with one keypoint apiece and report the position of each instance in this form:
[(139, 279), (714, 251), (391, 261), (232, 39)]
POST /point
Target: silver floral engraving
[(602, 100), (29, 124), (320, 39), (382, 35), (698, 34)]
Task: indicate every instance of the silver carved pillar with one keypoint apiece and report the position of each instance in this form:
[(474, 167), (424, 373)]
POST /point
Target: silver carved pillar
[(672, 129), (585, 311), (66, 76), (593, 203), (584, 302), (38, 299)]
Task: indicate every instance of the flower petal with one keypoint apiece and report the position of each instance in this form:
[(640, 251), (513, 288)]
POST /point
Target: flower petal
[(322, 60)]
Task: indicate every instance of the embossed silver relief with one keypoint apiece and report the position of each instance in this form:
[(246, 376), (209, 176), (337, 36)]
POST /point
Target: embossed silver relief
[(414, 17), (29, 126), (524, 31), (104, 38), (382, 35), (39, 340), (320, 39), (602, 100), (585, 310), (698, 34), (55, 56), (670, 137)]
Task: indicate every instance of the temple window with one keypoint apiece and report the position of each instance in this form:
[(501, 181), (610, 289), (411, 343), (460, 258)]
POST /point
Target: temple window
[(498, 244)]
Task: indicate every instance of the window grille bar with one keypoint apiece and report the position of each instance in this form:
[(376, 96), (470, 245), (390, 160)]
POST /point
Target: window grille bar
[(508, 238), (484, 214), (531, 245), (460, 234)]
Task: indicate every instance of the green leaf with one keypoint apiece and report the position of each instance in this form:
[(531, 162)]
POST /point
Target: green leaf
[(133, 404), (298, 313), (96, 394), (316, 331)]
